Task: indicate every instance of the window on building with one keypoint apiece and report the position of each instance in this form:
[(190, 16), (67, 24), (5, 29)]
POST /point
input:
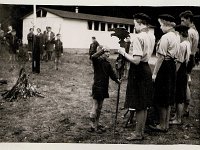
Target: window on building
[(103, 26), (41, 13), (109, 26), (115, 25), (96, 25), (126, 27), (121, 25), (89, 25), (131, 28), (44, 13)]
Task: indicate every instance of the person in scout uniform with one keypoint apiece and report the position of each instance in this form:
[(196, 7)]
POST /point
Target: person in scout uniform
[(102, 71), (49, 38), (164, 74), (139, 86), (181, 68), (193, 36), (58, 50)]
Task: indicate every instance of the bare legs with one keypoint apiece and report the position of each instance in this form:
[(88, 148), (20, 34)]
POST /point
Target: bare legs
[(95, 113), (57, 61), (188, 98), (164, 116), (141, 116)]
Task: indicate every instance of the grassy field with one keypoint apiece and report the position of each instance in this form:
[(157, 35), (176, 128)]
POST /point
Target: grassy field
[(63, 115)]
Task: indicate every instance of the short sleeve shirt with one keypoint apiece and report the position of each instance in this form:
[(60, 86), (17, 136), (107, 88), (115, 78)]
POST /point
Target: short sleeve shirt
[(193, 37), (184, 52), (169, 45), (143, 45)]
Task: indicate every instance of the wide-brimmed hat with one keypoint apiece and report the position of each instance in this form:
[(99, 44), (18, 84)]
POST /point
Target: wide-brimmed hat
[(167, 17)]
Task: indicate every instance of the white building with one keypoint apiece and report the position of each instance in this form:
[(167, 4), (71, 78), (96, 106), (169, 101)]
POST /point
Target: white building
[(77, 28)]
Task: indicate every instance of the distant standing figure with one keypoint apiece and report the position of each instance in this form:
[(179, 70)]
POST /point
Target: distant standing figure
[(93, 46), (58, 50), (30, 42), (36, 51), (12, 43), (49, 43), (44, 46)]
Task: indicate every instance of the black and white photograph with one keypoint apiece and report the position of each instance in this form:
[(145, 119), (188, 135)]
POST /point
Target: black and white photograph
[(99, 74)]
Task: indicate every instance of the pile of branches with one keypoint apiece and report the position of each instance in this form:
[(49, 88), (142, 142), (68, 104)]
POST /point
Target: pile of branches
[(22, 88)]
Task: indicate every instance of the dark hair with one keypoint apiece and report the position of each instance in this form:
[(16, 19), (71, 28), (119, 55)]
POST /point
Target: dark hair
[(142, 18), (93, 38), (187, 15), (39, 29), (183, 30)]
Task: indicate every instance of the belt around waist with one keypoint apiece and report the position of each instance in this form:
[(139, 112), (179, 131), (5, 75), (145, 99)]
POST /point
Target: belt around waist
[(169, 59), (143, 62)]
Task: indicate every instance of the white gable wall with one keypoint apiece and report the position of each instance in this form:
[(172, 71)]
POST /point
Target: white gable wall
[(74, 32), (41, 22)]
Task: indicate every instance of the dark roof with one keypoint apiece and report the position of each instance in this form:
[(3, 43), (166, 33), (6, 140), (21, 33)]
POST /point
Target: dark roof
[(81, 16)]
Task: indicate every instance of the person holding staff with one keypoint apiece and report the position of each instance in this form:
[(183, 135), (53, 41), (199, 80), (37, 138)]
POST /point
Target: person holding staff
[(102, 72), (181, 68), (139, 86), (164, 74)]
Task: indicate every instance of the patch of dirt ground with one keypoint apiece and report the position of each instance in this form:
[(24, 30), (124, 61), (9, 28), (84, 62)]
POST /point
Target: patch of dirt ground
[(63, 115)]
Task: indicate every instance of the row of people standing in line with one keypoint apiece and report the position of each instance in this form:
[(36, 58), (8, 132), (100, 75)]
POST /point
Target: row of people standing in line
[(41, 46), (175, 52), (175, 61)]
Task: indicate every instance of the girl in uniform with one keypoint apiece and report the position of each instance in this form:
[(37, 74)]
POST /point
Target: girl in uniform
[(164, 74), (139, 87), (181, 68)]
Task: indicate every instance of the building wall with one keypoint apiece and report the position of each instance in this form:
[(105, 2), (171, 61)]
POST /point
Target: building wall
[(41, 22), (75, 33)]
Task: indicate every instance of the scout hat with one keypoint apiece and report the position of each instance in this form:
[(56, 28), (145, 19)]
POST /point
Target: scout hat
[(142, 16), (167, 17), (181, 28)]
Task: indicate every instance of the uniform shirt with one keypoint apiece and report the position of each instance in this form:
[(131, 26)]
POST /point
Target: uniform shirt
[(184, 51), (143, 45), (93, 48), (169, 45), (193, 37), (58, 46), (102, 71)]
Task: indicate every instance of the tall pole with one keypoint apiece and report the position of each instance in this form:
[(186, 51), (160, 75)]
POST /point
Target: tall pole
[(34, 31), (34, 18)]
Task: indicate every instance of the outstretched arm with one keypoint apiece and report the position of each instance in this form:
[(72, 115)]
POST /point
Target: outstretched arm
[(113, 75), (133, 59), (98, 54)]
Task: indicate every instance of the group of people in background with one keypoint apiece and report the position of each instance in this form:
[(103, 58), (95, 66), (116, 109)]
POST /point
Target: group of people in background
[(41, 46), (166, 87), (10, 41)]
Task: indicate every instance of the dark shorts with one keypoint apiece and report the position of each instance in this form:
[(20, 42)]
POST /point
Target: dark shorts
[(99, 93)]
